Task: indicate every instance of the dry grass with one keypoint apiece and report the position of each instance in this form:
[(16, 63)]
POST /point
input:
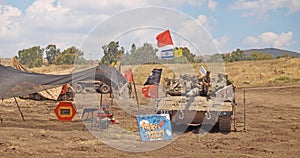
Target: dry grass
[(265, 73), (244, 74), (54, 69), (141, 72)]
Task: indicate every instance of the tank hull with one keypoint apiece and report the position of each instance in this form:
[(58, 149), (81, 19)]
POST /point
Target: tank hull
[(197, 110)]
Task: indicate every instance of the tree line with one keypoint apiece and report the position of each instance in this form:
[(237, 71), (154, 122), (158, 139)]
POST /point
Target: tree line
[(239, 55), (113, 52), (33, 57), (146, 54)]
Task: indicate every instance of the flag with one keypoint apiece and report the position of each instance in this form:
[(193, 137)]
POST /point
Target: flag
[(64, 89), (225, 93), (128, 75), (166, 54), (150, 88), (154, 77), (202, 71), (150, 91), (164, 39), (178, 53)]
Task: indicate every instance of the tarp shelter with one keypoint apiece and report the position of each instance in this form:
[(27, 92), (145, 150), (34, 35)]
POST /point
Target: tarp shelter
[(16, 83), (49, 94)]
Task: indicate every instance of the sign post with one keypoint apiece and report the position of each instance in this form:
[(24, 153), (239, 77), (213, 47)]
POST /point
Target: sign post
[(65, 111)]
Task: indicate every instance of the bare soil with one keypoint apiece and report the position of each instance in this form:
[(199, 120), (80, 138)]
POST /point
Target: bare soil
[(272, 130)]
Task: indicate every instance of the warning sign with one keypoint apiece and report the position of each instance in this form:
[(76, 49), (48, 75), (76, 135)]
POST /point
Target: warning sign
[(65, 111)]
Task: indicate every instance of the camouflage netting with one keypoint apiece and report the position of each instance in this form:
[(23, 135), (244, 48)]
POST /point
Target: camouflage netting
[(16, 83)]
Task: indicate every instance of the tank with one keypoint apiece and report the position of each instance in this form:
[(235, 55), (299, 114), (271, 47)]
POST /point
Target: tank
[(186, 103)]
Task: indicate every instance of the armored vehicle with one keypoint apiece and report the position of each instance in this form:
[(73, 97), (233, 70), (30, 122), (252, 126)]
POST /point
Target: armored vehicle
[(186, 103), (91, 86)]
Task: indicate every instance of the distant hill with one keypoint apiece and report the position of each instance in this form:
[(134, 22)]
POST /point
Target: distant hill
[(273, 51)]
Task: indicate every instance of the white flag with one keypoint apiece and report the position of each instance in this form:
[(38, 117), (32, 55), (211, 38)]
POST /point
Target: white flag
[(202, 70), (225, 93)]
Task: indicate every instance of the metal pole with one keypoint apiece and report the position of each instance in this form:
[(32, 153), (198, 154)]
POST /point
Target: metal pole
[(19, 109), (100, 101), (136, 96), (1, 120), (244, 110)]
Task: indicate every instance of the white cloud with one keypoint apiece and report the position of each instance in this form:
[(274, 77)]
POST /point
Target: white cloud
[(208, 23), (66, 23), (45, 15), (8, 24), (212, 5), (261, 7), (250, 40), (222, 42), (196, 2), (268, 39), (203, 20)]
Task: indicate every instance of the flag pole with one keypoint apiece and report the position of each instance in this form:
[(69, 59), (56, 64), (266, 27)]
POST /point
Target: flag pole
[(156, 99), (136, 96)]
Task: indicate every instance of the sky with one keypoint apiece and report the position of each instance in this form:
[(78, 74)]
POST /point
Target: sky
[(229, 25)]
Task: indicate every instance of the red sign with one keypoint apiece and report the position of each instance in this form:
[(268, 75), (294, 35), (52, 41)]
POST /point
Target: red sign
[(65, 111)]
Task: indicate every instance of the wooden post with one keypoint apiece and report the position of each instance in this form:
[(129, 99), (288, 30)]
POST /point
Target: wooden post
[(136, 96), (244, 110), (234, 116), (19, 109)]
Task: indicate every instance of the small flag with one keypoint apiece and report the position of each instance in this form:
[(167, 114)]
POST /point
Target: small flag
[(112, 64), (202, 71), (128, 75), (154, 77), (225, 93), (150, 88), (178, 53), (150, 91), (166, 54), (64, 89), (164, 39)]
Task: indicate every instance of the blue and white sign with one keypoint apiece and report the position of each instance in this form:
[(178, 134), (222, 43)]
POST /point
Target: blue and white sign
[(155, 127)]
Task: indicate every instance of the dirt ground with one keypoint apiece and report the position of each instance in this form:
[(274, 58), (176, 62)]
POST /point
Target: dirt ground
[(272, 130)]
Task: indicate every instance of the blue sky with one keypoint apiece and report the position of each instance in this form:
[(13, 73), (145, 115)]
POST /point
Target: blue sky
[(231, 24)]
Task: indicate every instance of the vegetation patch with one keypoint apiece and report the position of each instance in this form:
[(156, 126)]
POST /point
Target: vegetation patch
[(282, 78)]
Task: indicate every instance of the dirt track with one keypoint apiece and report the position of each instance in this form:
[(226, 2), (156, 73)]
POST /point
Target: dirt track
[(272, 131)]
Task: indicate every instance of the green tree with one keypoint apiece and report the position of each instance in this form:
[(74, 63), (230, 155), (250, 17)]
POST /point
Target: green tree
[(51, 53), (32, 57), (189, 56), (112, 53), (143, 55), (237, 55), (71, 55), (285, 55), (259, 56)]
